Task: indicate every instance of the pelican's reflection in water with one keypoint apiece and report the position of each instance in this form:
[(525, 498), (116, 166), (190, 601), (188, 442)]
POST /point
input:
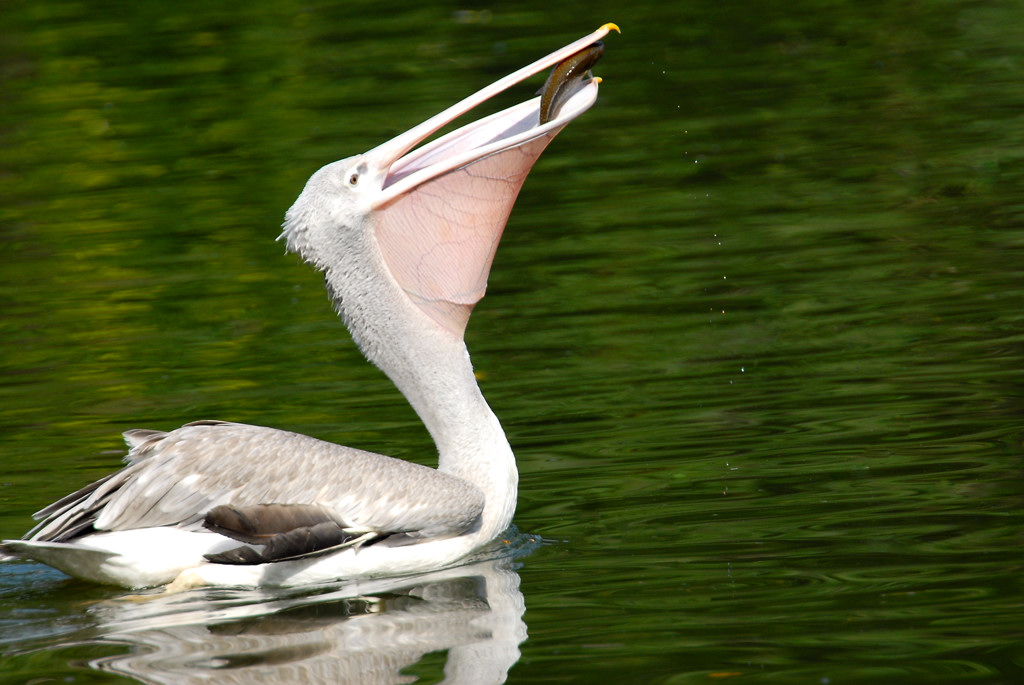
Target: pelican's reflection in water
[(365, 632)]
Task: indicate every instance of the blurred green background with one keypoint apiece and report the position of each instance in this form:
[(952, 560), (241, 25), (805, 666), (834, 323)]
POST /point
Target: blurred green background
[(755, 329)]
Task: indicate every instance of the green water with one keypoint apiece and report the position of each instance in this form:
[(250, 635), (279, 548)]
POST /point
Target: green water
[(755, 330)]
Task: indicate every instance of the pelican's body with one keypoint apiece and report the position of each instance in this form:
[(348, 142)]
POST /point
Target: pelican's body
[(405, 242)]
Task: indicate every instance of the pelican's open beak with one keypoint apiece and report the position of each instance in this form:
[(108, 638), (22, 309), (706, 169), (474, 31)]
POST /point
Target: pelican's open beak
[(508, 128), (439, 211)]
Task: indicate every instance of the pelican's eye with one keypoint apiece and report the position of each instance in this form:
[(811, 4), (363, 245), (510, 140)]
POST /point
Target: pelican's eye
[(355, 173)]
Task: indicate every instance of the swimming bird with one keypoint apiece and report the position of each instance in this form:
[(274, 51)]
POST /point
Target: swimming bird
[(405, 237)]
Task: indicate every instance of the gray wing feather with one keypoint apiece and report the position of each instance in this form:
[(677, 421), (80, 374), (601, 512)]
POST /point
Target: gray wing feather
[(174, 478), (137, 437)]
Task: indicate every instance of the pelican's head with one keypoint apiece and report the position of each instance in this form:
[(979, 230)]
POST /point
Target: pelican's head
[(436, 213)]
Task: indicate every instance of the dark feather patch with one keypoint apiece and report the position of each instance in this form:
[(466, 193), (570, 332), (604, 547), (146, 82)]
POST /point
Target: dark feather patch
[(323, 538), (284, 531), (237, 556), (259, 523)]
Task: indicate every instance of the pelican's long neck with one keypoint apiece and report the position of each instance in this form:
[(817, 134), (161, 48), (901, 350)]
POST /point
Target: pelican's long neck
[(432, 368)]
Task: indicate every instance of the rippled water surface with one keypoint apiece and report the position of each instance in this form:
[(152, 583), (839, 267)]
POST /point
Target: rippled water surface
[(755, 331)]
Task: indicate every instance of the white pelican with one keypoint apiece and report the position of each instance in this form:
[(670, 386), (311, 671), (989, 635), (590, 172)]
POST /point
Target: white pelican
[(405, 241)]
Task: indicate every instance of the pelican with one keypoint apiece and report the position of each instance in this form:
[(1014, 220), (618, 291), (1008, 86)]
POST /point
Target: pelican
[(405, 237)]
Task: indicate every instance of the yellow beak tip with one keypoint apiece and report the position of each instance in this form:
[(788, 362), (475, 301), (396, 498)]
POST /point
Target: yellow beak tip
[(612, 27)]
